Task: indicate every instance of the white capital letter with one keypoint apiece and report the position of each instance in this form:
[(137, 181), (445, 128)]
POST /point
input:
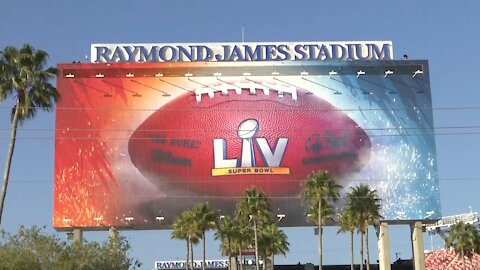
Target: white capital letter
[(272, 158), (220, 153)]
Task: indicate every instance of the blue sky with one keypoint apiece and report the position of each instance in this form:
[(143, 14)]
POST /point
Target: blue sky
[(440, 32)]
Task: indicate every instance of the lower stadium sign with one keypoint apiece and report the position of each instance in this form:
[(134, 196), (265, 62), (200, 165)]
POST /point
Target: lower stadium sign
[(210, 264)]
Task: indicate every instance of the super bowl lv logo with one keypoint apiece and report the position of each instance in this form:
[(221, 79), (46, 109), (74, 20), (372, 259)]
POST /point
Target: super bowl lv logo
[(246, 164)]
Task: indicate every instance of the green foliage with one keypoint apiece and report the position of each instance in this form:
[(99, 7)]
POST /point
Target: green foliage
[(327, 213), (228, 232), (347, 222), (204, 218), (115, 252), (464, 239), (321, 190), (254, 207), (180, 227), (254, 210), (252, 216), (23, 74), (365, 204), (184, 229), (31, 248), (272, 241)]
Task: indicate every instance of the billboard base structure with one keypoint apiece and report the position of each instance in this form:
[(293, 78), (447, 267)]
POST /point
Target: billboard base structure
[(383, 246), (138, 143), (76, 235), (418, 246), (417, 241)]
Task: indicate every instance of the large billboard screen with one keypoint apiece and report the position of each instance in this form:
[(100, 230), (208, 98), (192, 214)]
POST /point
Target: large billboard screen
[(138, 143)]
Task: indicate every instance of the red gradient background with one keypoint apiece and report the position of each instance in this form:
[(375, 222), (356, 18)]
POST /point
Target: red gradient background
[(96, 183)]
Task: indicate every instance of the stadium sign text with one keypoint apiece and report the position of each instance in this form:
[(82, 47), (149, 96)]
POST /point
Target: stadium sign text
[(209, 264), (235, 52)]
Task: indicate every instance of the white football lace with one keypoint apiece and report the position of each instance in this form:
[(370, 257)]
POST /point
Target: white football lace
[(251, 86)]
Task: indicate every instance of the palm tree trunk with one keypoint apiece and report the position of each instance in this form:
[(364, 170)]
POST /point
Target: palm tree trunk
[(192, 263), (463, 259), (267, 263), (232, 262), (188, 253), (8, 162), (257, 265), (273, 262), (366, 245), (241, 258), (351, 250), (320, 235), (361, 249), (204, 251)]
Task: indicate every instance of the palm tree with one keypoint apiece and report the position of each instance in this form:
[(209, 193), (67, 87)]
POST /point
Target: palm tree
[(228, 232), (365, 203), (234, 238), (464, 239), (204, 220), (22, 74), (255, 208), (183, 229), (319, 191), (243, 239), (179, 232), (272, 241), (346, 222), (327, 214)]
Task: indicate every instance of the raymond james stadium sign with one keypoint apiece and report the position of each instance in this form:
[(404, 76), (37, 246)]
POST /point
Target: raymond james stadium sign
[(235, 52), (209, 264)]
